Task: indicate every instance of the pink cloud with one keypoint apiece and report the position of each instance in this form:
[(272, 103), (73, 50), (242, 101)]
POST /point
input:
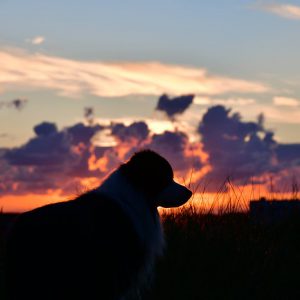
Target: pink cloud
[(22, 70), (288, 11)]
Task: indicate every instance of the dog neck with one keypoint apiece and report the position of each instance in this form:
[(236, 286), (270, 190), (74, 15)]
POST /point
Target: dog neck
[(145, 220)]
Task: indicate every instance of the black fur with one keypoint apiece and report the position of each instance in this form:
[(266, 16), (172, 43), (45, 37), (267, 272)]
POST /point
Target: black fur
[(87, 248), (81, 249), (148, 172)]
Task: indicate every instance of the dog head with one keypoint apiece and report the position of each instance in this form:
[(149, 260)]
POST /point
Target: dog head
[(152, 174)]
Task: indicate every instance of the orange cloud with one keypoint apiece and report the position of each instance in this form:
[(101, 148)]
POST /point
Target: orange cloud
[(286, 101), (98, 164), (71, 78)]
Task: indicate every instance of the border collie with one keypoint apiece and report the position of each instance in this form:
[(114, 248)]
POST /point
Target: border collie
[(101, 245)]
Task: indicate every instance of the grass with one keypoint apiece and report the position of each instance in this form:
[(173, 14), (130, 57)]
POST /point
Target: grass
[(227, 256), (220, 254)]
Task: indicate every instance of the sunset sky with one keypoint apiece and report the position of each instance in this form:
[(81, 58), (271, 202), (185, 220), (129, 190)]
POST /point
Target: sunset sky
[(69, 68)]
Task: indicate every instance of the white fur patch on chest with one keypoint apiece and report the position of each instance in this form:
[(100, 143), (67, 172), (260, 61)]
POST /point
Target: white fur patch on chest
[(146, 223)]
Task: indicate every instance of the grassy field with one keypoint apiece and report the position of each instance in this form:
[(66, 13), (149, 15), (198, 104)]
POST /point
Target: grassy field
[(225, 256), (228, 256)]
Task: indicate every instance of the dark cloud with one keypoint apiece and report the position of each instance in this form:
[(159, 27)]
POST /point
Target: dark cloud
[(80, 167), (45, 129), (174, 106), (174, 146), (52, 149), (137, 130), (58, 159), (89, 115), (234, 147), (288, 153), (51, 159), (241, 150), (18, 104), (81, 133), (61, 158)]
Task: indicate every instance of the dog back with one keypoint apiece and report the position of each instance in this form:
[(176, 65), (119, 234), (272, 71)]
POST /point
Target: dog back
[(86, 248)]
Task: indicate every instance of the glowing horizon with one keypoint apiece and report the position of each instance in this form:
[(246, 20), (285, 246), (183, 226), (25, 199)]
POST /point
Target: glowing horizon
[(237, 199)]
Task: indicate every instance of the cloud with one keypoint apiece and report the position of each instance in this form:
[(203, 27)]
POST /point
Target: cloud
[(175, 106), (89, 114), (235, 148), (274, 114), (45, 129), (277, 114), (242, 150), (285, 101), (48, 148), (51, 160), (72, 78), (37, 40), (81, 133), (288, 11), (63, 160), (224, 101), (155, 125), (288, 153), (138, 131), (174, 146), (18, 103)]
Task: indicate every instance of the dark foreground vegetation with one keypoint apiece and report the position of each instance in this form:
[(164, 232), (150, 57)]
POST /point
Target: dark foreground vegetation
[(226, 256)]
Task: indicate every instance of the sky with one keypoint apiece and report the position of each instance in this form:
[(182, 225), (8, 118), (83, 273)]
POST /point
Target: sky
[(117, 58)]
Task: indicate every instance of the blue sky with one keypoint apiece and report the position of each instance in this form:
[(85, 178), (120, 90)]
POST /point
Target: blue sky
[(246, 40)]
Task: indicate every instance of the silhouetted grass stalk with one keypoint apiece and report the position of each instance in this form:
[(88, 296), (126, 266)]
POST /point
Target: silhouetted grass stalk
[(229, 198)]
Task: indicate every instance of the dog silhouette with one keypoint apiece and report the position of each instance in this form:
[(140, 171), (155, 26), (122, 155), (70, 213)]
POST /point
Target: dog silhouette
[(101, 245)]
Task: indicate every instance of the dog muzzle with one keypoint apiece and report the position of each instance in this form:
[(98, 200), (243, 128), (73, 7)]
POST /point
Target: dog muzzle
[(173, 195)]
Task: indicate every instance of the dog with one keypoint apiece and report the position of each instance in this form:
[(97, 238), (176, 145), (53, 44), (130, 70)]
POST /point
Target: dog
[(102, 244)]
